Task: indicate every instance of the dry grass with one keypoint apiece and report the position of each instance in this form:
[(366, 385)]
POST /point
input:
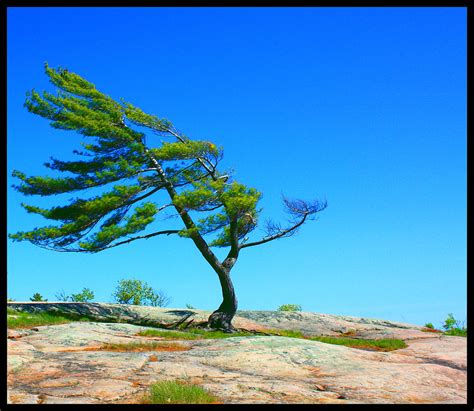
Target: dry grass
[(144, 346), (133, 347)]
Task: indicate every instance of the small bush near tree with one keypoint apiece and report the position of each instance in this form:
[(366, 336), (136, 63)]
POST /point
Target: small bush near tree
[(429, 325), (138, 292), (85, 296), (37, 297), (454, 327), (289, 307)]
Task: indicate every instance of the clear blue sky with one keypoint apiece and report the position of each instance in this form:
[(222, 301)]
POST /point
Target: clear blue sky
[(365, 107)]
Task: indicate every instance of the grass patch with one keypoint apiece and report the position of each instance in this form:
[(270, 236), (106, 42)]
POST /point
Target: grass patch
[(457, 332), (190, 334), (22, 319), (385, 344), (176, 392), (144, 346)]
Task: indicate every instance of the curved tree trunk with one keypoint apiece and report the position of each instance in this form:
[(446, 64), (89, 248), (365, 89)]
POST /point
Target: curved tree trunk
[(221, 319)]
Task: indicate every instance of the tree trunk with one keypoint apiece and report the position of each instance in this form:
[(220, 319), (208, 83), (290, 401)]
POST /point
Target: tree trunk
[(221, 319)]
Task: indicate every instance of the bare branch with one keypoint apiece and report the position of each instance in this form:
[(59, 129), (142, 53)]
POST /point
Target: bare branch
[(299, 210)]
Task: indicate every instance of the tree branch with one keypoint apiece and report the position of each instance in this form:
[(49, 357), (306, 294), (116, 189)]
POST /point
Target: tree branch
[(299, 209)]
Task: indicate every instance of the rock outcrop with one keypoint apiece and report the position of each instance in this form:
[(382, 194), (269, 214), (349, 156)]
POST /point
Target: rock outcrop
[(64, 363)]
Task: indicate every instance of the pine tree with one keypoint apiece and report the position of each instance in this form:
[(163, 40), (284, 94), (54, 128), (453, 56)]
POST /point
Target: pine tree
[(213, 208)]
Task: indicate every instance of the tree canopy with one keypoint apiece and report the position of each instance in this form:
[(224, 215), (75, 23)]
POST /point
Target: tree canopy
[(115, 156)]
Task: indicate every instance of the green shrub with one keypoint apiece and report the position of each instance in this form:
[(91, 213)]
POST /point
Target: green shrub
[(289, 307), (454, 327), (175, 392), (138, 292), (85, 296), (37, 297), (190, 306), (429, 325)]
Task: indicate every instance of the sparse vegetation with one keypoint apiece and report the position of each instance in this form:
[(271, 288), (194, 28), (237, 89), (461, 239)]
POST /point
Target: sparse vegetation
[(190, 307), (138, 292), (21, 319), (454, 327), (37, 297), (429, 325), (385, 344), (289, 307), (144, 346), (177, 392), (62, 296), (190, 334), (86, 295)]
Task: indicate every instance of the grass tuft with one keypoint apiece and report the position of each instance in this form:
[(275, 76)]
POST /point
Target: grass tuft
[(22, 319), (190, 334), (384, 344), (176, 392)]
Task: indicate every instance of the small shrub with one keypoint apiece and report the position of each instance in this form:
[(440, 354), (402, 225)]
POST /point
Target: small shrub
[(85, 296), (454, 327), (138, 292), (289, 307), (176, 392), (449, 323), (190, 306), (61, 296), (429, 325), (37, 297), (158, 298)]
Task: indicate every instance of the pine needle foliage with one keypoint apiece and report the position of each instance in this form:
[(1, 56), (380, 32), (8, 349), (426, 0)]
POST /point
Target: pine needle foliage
[(116, 157)]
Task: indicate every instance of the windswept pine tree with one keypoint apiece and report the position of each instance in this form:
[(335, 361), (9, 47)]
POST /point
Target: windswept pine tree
[(123, 158)]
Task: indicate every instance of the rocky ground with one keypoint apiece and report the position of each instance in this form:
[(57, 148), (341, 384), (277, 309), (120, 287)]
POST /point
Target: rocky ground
[(63, 363)]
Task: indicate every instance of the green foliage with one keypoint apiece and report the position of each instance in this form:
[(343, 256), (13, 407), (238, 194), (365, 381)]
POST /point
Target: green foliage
[(449, 323), (21, 319), (191, 307), (191, 334), (454, 327), (429, 325), (116, 153), (138, 292), (37, 297), (289, 307), (176, 392), (86, 295), (385, 344)]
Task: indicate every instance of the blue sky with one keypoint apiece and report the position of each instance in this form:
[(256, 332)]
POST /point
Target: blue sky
[(365, 107)]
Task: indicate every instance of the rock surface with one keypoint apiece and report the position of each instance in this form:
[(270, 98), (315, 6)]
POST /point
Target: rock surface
[(63, 363)]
